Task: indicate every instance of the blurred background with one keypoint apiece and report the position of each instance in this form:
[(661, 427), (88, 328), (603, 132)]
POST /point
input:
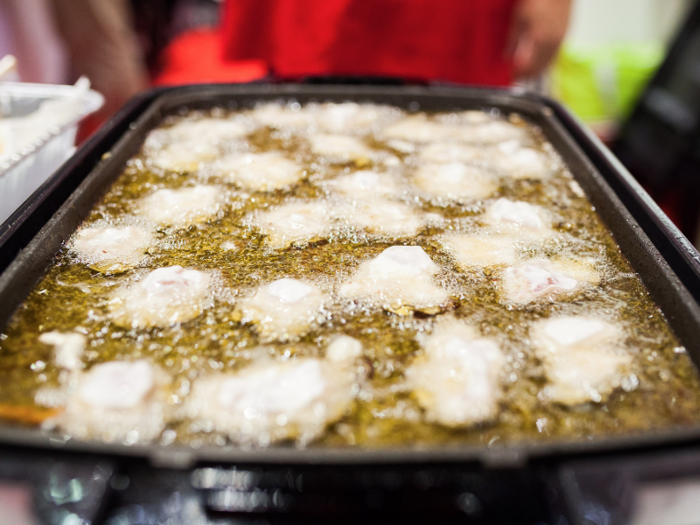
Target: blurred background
[(626, 68), (610, 52)]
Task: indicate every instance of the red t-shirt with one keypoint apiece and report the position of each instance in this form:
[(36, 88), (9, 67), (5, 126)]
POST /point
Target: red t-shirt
[(453, 40)]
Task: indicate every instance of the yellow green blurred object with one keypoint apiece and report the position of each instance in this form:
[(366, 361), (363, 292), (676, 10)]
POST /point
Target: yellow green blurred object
[(602, 83)]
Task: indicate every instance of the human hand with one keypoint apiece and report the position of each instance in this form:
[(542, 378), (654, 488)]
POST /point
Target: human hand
[(536, 31)]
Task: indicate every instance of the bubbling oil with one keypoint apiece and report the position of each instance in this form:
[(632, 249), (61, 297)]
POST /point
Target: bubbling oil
[(661, 389)]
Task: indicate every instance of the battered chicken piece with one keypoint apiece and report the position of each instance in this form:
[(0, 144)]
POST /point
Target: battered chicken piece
[(455, 181), (344, 349), (582, 358), (340, 148), (188, 145), (295, 223), (493, 132), (538, 279), (330, 117), (399, 280), (259, 171), (115, 401), (417, 128), (204, 130), (111, 250), (389, 218), (349, 116), (183, 156), (366, 185), (272, 401), (457, 380), (276, 115), (520, 219), (163, 297), (182, 207), (474, 116), (447, 152), (519, 162), (283, 310), (480, 251), (69, 348), (575, 331)]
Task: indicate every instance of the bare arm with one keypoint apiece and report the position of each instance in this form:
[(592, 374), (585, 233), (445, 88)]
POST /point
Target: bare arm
[(537, 30), (103, 46)]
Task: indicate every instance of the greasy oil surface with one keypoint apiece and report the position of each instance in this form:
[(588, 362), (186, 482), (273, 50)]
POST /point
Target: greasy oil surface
[(73, 297)]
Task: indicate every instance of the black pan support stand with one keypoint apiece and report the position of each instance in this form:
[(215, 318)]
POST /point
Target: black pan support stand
[(154, 488), (77, 488)]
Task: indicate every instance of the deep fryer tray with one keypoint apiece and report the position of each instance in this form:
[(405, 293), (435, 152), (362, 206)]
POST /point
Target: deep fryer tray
[(668, 291)]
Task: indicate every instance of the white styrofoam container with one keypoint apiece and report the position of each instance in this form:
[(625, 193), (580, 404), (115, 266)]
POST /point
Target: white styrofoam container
[(29, 168)]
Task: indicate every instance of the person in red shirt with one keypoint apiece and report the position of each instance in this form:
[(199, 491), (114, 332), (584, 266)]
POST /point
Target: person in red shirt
[(488, 42)]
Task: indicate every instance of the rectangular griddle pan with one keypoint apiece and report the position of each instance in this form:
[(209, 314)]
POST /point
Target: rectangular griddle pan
[(30, 240)]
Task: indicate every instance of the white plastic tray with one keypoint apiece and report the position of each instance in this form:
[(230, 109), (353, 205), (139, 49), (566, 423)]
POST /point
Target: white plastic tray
[(27, 169)]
